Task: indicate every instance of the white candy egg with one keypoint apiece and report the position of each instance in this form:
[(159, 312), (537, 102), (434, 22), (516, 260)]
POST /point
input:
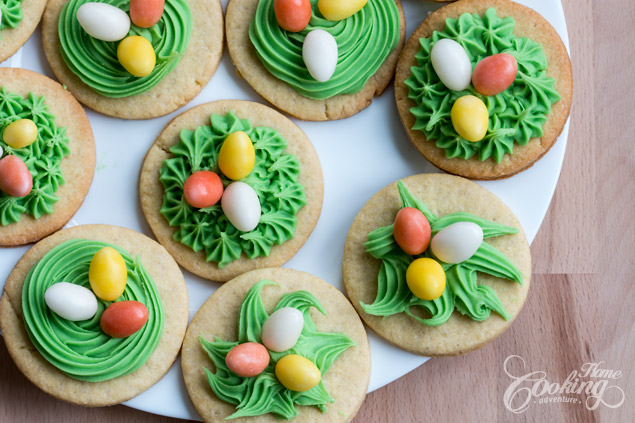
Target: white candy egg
[(451, 64), (457, 242), (70, 301), (241, 206), (282, 329), (103, 21), (319, 52)]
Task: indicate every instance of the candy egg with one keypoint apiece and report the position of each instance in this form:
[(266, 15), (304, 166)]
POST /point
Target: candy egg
[(457, 242), (237, 156), (411, 231), (451, 64), (70, 301), (470, 117), (335, 10), (282, 329), (146, 13), (107, 274), (292, 15), (241, 206), (15, 178), (103, 21), (494, 74), (297, 373), (319, 52), (202, 189), (425, 278), (20, 133), (248, 359), (136, 55), (123, 318)]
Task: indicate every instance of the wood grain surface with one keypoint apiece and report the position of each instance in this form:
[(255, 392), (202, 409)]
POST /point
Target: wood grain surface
[(580, 307)]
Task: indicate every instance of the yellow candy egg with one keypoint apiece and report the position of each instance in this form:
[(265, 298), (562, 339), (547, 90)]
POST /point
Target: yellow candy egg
[(297, 373), (470, 117), (335, 10), (20, 133), (237, 156), (107, 274), (425, 278), (136, 55)]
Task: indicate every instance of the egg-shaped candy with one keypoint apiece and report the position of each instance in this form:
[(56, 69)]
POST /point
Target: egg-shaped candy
[(336, 10), (70, 301), (237, 156), (146, 13), (15, 178), (297, 373), (123, 318), (292, 15), (457, 242), (103, 21), (425, 278), (319, 52), (470, 117), (282, 329), (202, 189), (241, 205), (107, 274), (494, 74), (411, 231), (136, 55), (21, 133), (248, 359), (451, 63)]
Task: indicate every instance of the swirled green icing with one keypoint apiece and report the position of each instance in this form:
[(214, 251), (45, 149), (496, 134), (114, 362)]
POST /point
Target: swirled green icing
[(364, 41), (42, 158), (461, 291), (10, 13), (80, 349), (274, 178), (515, 115), (95, 61), (263, 394)]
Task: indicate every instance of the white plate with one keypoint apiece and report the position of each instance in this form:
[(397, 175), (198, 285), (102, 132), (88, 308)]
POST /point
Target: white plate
[(359, 156)]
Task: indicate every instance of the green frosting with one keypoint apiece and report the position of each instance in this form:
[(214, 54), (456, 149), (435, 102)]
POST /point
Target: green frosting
[(261, 394), (274, 178), (11, 11), (42, 158), (95, 61), (81, 349), (364, 41), (515, 115), (461, 291)]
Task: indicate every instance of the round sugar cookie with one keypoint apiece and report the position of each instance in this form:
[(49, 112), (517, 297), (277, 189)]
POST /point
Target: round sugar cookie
[(77, 168), (151, 190), (173, 294), (11, 39), (186, 80), (443, 194), (528, 24), (283, 96), (346, 380)]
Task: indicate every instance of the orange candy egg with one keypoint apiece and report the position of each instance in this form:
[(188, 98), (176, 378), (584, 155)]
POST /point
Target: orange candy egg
[(292, 15), (202, 189), (15, 178), (248, 359), (146, 13), (411, 231), (123, 318), (494, 74)]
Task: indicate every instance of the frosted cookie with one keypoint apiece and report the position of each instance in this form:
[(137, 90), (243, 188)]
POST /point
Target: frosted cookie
[(278, 191), (77, 361), (421, 276), (18, 20), (187, 42), (512, 128), (270, 58), (58, 165), (276, 315)]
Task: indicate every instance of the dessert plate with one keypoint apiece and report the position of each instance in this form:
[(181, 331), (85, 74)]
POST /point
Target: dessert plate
[(359, 156)]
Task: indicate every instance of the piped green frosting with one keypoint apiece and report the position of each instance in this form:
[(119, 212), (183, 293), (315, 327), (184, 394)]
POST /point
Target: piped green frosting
[(515, 116), (42, 158), (81, 349), (95, 61), (11, 11), (261, 394), (274, 178), (364, 41), (462, 290)]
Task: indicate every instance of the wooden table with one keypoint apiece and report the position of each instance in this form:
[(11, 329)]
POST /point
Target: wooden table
[(580, 307)]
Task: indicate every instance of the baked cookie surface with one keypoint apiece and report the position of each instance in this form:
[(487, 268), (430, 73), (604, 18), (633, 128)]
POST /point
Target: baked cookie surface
[(346, 381), (77, 166), (543, 132), (170, 284), (12, 38), (454, 333)]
